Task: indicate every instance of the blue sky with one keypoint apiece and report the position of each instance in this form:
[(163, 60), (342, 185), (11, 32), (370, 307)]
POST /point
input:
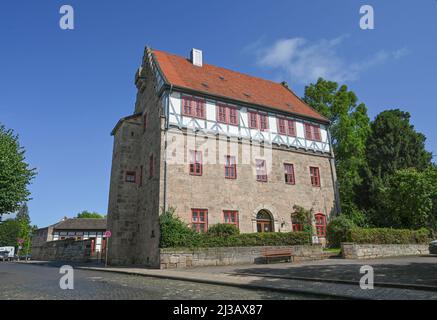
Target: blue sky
[(63, 91)]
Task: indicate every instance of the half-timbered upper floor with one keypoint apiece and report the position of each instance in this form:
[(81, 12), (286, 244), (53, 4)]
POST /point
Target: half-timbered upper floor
[(215, 100)]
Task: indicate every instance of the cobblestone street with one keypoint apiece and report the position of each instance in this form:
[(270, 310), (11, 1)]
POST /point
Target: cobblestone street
[(22, 281)]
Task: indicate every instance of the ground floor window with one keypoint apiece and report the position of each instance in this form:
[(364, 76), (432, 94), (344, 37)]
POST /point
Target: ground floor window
[(320, 224), (264, 221), (297, 225), (199, 220), (231, 217)]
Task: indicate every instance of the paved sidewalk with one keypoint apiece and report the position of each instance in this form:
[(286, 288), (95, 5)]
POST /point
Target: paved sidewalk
[(402, 278)]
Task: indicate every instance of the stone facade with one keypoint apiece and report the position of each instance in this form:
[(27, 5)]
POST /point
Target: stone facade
[(63, 250), (223, 256), (371, 251), (157, 153)]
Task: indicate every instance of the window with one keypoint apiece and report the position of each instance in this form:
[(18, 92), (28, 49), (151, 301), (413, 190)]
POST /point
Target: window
[(291, 126), (315, 176), (261, 171), (281, 126), (263, 121), (289, 173), (199, 220), (320, 224), (144, 122), (296, 225), (312, 132), (195, 163), (130, 176), (233, 116), (227, 114), (253, 120), (193, 107), (287, 127), (221, 117), (230, 167), (151, 167), (230, 217)]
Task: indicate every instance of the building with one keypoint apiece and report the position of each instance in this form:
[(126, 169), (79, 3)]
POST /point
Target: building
[(220, 147), (75, 228)]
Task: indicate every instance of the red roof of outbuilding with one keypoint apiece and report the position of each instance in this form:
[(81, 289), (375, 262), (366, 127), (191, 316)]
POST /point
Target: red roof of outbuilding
[(234, 85)]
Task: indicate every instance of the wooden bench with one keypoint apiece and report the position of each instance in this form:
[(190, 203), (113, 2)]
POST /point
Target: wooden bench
[(277, 254)]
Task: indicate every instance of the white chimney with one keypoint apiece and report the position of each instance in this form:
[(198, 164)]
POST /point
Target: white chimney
[(196, 57)]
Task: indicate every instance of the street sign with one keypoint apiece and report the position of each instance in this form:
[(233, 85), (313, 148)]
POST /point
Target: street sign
[(107, 234)]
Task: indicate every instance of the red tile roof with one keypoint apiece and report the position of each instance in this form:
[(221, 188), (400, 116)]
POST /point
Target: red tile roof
[(222, 82)]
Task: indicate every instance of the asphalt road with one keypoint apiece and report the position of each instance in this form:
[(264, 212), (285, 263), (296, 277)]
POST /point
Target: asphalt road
[(30, 282)]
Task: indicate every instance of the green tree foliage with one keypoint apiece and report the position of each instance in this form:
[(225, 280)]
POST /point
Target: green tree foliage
[(409, 200), (392, 145), (90, 215), (15, 174), (9, 232), (349, 130), (338, 229)]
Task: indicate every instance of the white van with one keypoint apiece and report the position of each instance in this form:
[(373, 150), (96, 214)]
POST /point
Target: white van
[(7, 253)]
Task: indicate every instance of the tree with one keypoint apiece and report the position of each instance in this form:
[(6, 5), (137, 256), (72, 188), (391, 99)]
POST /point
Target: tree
[(392, 145), (15, 174), (349, 130), (409, 200), (90, 215), (9, 232), (23, 213)]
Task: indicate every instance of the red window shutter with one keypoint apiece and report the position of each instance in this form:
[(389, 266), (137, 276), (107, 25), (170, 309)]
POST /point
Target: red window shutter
[(315, 176), (221, 113), (263, 120), (253, 120), (186, 103), (233, 116), (281, 126), (200, 108), (289, 173), (308, 132), (291, 126), (317, 135)]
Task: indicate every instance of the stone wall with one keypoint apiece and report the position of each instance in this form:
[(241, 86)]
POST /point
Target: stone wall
[(221, 256), (371, 251), (63, 250)]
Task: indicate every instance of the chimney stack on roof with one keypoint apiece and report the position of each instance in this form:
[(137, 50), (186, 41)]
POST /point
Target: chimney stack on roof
[(196, 57)]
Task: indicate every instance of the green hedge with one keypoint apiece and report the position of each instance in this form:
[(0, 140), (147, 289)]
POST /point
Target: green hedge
[(387, 236), (176, 234), (338, 229)]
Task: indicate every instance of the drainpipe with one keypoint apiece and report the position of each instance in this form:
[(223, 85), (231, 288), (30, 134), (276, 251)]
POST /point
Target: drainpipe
[(334, 177), (167, 108)]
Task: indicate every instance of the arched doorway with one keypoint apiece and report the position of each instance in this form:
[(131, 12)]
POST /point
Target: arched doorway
[(264, 221)]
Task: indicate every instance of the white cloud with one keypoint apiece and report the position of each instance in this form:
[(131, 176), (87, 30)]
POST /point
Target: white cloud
[(305, 61)]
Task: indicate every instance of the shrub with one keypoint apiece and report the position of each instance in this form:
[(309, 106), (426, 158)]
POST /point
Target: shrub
[(337, 230), (223, 230), (175, 232), (388, 236)]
